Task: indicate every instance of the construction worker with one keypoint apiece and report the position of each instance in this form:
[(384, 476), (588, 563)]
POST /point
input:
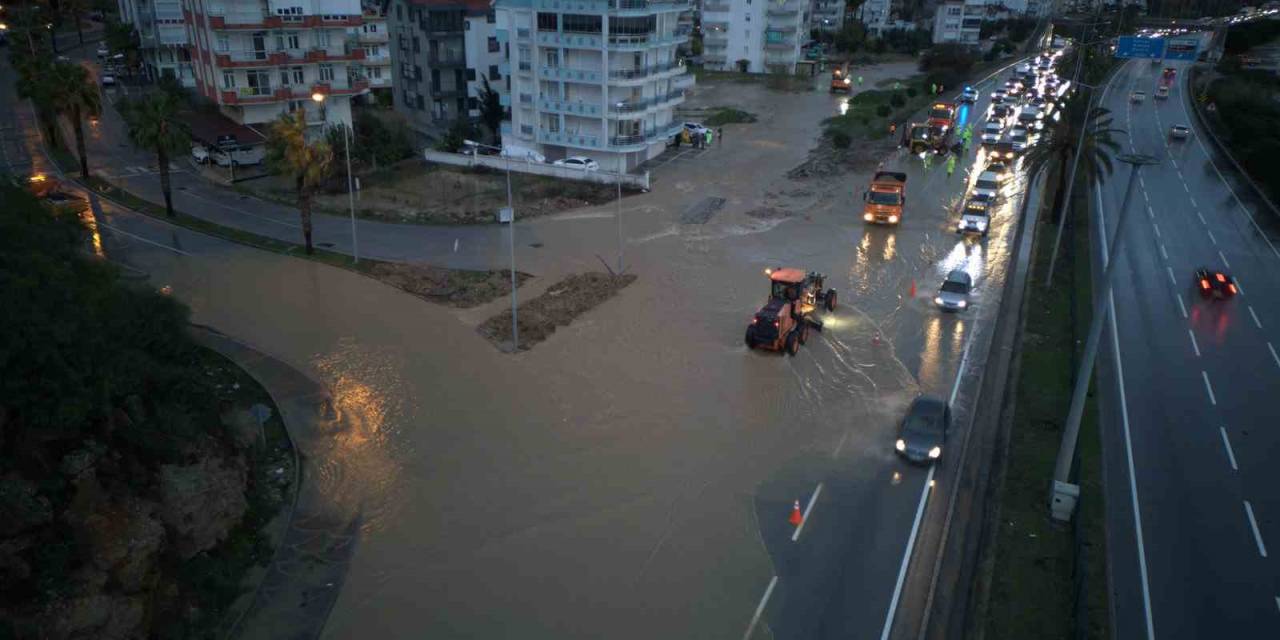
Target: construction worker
[(933, 88), (951, 165), (927, 159), (708, 138), (897, 85), (720, 135), (859, 81)]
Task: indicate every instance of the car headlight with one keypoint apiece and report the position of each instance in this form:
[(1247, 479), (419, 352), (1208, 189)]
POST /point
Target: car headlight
[(900, 445), (962, 304), (893, 218), (960, 225), (938, 300), (868, 217), (935, 452), (981, 225)]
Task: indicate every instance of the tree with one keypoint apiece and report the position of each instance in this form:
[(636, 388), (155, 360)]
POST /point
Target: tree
[(491, 112), (122, 39), (1058, 145), (851, 37), (154, 125), (308, 163), (453, 139), (76, 97), (75, 10)]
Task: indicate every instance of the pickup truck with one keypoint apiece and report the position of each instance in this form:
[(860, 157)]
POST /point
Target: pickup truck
[(885, 197)]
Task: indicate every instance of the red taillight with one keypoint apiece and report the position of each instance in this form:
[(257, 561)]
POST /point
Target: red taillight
[(1204, 284), (1221, 278), (754, 319), (1232, 287), (775, 323)]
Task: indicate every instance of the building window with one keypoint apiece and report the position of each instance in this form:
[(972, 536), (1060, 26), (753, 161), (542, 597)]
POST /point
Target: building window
[(583, 23), (490, 17), (326, 73), (370, 27), (228, 80), (259, 82), (493, 45), (417, 72), (399, 12), (375, 72), (422, 104), (471, 75), (287, 41), (224, 43), (417, 45), (473, 103), (493, 72), (548, 21), (284, 77), (298, 77), (322, 38)]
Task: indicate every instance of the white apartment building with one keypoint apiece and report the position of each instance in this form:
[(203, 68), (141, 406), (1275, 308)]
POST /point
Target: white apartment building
[(162, 38), (257, 59), (875, 15), (959, 22), (826, 15), (597, 78), (373, 36), (755, 36)]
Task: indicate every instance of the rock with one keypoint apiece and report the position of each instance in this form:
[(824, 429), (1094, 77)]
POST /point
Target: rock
[(82, 460), (202, 502), (102, 617), (13, 567), (21, 508), (242, 426), (124, 539)]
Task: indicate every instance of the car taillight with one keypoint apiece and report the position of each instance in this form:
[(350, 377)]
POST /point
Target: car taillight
[(1221, 278), (775, 323), (754, 319), (1204, 284), (1232, 288)]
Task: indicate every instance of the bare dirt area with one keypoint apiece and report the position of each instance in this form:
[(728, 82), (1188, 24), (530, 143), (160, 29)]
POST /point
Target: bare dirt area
[(450, 287), (825, 160), (556, 307)]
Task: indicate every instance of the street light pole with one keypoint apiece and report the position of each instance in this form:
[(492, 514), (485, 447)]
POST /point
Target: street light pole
[(618, 215), (511, 241), (1062, 501), (319, 98)]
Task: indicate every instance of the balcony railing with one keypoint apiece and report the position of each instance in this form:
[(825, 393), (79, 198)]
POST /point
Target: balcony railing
[(716, 6), (573, 107), (579, 140), (632, 106), (651, 135), (780, 45), (447, 59), (627, 74), (522, 33), (591, 76)]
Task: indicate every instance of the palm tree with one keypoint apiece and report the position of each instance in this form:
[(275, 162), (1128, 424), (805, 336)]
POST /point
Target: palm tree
[(1058, 145), (153, 124), (308, 163), (76, 97), (33, 84)]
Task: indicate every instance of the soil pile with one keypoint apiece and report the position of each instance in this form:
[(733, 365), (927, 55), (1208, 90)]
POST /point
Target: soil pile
[(451, 287), (557, 307)]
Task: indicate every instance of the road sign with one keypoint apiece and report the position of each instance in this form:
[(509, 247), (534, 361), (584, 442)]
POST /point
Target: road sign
[(1136, 47), (1184, 48)]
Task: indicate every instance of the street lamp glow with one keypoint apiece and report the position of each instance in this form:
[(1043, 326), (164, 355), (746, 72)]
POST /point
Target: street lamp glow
[(317, 97)]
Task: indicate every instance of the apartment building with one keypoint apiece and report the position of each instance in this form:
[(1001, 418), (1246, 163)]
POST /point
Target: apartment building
[(876, 15), (162, 38), (826, 15), (598, 78), (755, 36), (258, 59), (374, 37), (441, 53), (959, 22)]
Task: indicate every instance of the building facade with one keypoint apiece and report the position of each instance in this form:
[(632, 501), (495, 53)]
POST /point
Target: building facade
[(442, 51), (596, 78), (373, 36), (754, 37), (826, 15), (162, 38), (258, 59), (875, 15), (959, 22)]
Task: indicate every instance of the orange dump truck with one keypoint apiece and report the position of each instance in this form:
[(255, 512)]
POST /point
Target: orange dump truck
[(885, 197), (840, 80)]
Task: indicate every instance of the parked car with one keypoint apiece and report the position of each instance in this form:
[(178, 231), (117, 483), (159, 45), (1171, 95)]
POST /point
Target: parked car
[(103, 52), (199, 154), (578, 162), (241, 156), (108, 80), (953, 295), (696, 129), (923, 432)]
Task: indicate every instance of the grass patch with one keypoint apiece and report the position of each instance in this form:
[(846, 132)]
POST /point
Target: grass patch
[(556, 307), (728, 115), (1036, 573)]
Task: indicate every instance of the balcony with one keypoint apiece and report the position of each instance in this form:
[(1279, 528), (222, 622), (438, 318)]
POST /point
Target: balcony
[(248, 22), (710, 27), (372, 38), (640, 7), (782, 11), (644, 72), (636, 42), (244, 59), (447, 59), (589, 76), (522, 33), (644, 104), (574, 107), (708, 7), (571, 40), (449, 91), (322, 55), (576, 140), (657, 134), (780, 45)]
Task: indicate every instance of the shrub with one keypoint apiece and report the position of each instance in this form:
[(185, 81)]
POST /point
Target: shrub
[(897, 101), (883, 110), (911, 92), (840, 139)]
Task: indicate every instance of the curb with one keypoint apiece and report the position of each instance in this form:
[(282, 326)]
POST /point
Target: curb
[(1220, 146)]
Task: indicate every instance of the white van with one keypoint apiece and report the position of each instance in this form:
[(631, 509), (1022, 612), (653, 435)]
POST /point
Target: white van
[(242, 156)]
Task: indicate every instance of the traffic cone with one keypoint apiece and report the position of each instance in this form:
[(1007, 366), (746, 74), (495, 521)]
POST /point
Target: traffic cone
[(913, 288), (796, 517)]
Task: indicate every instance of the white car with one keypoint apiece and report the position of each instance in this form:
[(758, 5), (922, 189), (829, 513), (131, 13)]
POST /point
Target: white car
[(1018, 138), (998, 96), (991, 132), (1179, 132), (108, 80), (953, 295), (578, 162), (975, 217), (199, 154), (102, 51), (988, 185), (696, 129), (969, 95), (1029, 115), (1138, 96)]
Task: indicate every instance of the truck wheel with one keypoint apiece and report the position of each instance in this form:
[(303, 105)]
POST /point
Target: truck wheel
[(793, 343), (831, 299), (751, 337)]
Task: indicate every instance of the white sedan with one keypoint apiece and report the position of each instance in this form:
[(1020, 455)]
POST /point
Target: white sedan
[(1179, 132), (1138, 96), (991, 133), (578, 162)]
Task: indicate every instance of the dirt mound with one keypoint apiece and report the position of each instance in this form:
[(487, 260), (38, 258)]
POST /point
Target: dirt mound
[(769, 213), (826, 160), (452, 287), (556, 307)]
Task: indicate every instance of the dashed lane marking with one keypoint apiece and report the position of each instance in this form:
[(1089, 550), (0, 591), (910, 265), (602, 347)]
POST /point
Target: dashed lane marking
[(1164, 253), (1212, 238), (1172, 279), (1257, 323), (1181, 307), (1224, 260), (1208, 387), (764, 600), (1194, 346), (1198, 215), (1273, 354), (807, 509), (1226, 444), (1257, 535)]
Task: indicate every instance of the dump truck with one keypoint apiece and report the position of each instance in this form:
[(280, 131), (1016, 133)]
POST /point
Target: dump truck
[(885, 198), (942, 115)]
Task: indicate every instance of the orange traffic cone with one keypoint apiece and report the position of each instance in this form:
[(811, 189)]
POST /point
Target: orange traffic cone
[(913, 288), (796, 517)]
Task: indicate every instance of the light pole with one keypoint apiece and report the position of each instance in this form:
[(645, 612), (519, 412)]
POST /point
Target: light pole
[(511, 235), (319, 99), (618, 215), (1063, 500)]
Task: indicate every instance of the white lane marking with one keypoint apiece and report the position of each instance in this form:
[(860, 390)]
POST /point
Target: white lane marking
[(1208, 387), (804, 519), (1171, 278), (1157, 228), (840, 445), (1199, 215), (1124, 421), (1224, 260), (1194, 345), (1256, 322), (1239, 287), (1257, 535), (1164, 253), (1150, 214), (1227, 445), (906, 556), (1193, 202), (1211, 236), (1277, 602), (1181, 307), (1273, 354), (1184, 185), (1144, 197), (1143, 182), (760, 608), (142, 239), (964, 363)]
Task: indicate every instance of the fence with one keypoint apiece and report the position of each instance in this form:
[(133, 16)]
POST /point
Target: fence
[(635, 180)]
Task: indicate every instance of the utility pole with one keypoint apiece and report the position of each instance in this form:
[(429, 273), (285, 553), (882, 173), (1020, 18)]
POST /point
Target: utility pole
[(618, 215), (1063, 500)]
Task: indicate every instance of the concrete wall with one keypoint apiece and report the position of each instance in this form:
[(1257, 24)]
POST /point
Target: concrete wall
[(639, 181)]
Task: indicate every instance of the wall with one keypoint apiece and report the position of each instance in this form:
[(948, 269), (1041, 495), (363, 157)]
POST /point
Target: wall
[(640, 181)]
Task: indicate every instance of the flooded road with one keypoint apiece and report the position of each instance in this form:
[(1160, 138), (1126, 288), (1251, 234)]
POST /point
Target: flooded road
[(631, 477)]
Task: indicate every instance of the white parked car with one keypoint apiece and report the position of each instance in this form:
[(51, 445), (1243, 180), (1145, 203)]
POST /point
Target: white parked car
[(696, 129), (1179, 132), (991, 132), (108, 80), (102, 51), (578, 162), (199, 154)]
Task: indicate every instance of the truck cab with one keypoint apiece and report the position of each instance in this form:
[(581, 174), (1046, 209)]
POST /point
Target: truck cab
[(885, 198), (942, 115)]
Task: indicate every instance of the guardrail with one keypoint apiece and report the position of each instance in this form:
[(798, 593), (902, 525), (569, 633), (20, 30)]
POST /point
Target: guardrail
[(636, 180)]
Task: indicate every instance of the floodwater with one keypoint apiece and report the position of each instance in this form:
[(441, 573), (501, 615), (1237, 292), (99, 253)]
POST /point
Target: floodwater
[(631, 476)]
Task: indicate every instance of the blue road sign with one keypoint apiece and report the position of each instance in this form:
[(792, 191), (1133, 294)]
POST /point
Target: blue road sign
[(1135, 47), (1184, 48)]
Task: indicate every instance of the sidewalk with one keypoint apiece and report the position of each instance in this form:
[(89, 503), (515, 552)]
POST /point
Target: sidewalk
[(306, 573)]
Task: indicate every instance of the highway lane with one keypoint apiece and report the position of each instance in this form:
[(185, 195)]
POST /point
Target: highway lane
[(1197, 377)]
